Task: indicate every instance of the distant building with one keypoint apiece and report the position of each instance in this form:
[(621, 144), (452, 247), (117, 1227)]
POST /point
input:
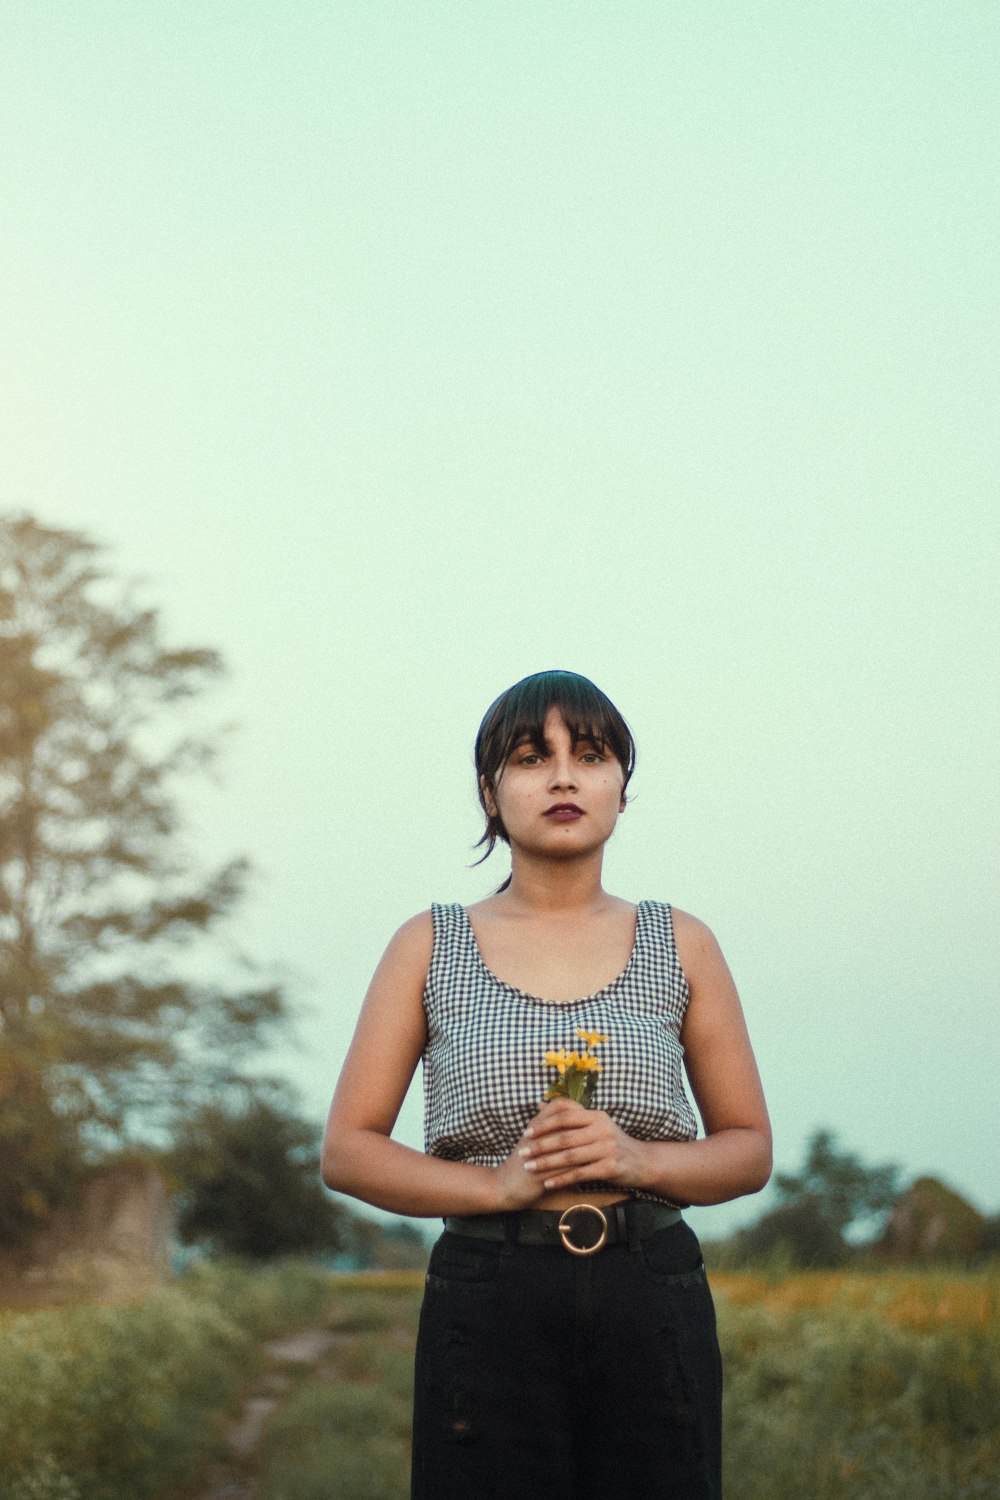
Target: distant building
[(114, 1243)]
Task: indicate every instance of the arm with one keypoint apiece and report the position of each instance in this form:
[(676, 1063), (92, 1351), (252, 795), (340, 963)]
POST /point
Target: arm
[(359, 1157), (570, 1144)]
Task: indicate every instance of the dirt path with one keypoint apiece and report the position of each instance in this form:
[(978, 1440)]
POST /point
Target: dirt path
[(234, 1476)]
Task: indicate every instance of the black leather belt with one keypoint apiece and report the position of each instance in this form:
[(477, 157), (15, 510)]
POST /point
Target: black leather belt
[(582, 1229)]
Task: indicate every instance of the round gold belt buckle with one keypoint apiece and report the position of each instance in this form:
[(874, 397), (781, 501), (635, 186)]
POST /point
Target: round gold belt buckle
[(565, 1228)]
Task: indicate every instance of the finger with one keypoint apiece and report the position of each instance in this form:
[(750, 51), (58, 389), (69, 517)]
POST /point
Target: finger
[(555, 1109), (543, 1148), (554, 1118), (592, 1172), (544, 1140), (586, 1159), (597, 1156)]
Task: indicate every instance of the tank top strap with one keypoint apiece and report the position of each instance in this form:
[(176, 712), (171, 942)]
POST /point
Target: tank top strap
[(656, 968), (453, 963)]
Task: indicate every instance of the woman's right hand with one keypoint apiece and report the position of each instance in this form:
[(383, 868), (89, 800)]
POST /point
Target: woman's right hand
[(517, 1185)]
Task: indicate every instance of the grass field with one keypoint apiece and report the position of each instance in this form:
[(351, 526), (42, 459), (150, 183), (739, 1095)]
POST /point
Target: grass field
[(838, 1387), (874, 1387), (123, 1403)]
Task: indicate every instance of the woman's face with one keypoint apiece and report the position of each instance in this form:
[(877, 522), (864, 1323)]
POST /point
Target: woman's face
[(561, 799)]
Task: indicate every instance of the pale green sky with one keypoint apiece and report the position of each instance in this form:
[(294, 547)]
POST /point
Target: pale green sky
[(408, 348)]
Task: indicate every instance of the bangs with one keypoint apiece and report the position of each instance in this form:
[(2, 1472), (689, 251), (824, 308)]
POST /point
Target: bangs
[(519, 715)]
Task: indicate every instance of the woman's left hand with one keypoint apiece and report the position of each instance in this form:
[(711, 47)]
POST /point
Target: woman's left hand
[(567, 1143)]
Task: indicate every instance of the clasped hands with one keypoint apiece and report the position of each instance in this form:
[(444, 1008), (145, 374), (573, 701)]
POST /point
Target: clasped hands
[(565, 1144)]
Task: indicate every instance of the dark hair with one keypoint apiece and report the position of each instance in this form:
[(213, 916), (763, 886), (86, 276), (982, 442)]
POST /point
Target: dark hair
[(520, 713)]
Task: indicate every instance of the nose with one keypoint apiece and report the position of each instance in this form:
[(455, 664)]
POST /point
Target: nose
[(562, 772)]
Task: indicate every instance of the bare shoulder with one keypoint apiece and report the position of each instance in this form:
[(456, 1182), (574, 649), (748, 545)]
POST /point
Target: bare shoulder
[(415, 939), (394, 1001), (697, 946), (407, 957), (718, 1056), (390, 1035)]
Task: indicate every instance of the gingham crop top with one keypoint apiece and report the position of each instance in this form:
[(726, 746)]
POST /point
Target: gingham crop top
[(484, 1071)]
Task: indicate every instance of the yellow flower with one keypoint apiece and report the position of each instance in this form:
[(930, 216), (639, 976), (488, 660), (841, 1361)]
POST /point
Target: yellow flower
[(577, 1071)]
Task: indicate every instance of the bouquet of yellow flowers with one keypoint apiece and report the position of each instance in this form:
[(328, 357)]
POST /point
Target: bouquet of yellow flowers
[(577, 1071)]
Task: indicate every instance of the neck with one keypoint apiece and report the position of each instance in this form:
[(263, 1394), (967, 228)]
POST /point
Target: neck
[(555, 885)]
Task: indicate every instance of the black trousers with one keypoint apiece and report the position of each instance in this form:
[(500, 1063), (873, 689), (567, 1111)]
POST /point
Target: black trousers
[(544, 1374)]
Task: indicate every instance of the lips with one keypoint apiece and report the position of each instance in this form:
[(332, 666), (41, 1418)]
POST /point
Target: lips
[(563, 812)]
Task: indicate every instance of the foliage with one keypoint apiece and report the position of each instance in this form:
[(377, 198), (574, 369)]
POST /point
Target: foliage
[(367, 1244), (816, 1206), (879, 1387), (358, 1432), (354, 1427), (839, 1181), (261, 1300), (40, 1158), (990, 1245), (102, 1402), (883, 1390), (931, 1222), (98, 1028), (249, 1180), (915, 1300), (377, 1283), (402, 1247)]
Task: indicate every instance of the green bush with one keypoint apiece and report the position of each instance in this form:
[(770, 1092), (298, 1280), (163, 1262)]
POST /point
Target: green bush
[(346, 1432), (835, 1404), (852, 1388), (101, 1402), (262, 1300), (336, 1436)]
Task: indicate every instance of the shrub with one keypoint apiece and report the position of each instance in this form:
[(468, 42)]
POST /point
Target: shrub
[(835, 1401), (348, 1436), (101, 1402)]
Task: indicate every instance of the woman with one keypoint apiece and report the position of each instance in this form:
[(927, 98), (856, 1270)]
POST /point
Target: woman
[(567, 1340)]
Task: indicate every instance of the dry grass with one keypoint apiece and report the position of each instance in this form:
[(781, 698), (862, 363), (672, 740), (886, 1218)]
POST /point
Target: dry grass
[(872, 1386), (385, 1281), (921, 1301), (839, 1386)]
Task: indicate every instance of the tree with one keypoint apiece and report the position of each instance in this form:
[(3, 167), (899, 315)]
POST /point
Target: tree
[(99, 1024), (249, 1180), (931, 1222), (403, 1247), (40, 1159), (384, 1245), (833, 1191)]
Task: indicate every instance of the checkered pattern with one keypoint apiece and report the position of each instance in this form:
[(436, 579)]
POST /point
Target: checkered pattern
[(484, 1074)]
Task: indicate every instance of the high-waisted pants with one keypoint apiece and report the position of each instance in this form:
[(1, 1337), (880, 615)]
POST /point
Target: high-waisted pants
[(542, 1375)]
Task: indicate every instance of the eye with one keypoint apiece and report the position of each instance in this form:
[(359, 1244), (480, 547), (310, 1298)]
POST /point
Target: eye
[(592, 757)]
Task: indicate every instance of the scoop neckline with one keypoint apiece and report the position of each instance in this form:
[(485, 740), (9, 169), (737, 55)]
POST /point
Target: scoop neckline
[(513, 989)]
